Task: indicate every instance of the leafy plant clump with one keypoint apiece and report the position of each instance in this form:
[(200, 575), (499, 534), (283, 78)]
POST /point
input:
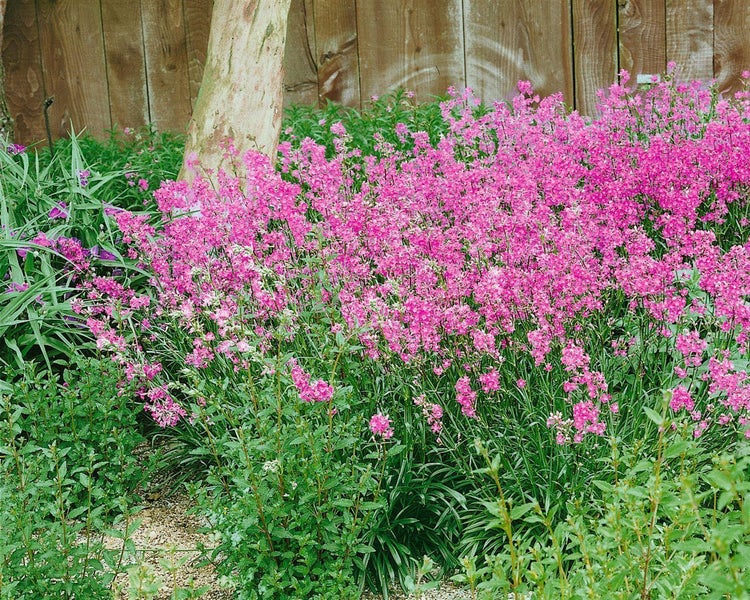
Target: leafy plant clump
[(68, 471), (669, 523), (54, 225)]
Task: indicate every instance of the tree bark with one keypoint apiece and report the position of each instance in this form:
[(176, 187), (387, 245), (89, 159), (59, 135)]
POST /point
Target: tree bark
[(6, 120), (241, 94)]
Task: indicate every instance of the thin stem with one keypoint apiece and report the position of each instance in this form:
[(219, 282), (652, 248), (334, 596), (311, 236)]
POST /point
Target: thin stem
[(655, 503)]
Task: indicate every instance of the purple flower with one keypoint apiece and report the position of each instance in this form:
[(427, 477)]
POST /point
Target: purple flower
[(111, 210), (83, 177), (17, 287), (101, 253), (15, 149), (58, 211)]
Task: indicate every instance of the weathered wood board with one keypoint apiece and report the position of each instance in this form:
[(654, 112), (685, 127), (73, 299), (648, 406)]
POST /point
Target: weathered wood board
[(24, 83), (642, 37), (690, 38), (594, 50), (197, 27), (301, 77), (165, 44), (512, 40), (731, 43), (337, 52), (416, 45), (72, 51), (126, 63)]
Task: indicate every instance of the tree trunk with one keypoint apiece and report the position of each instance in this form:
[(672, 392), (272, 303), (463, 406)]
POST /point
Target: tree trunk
[(241, 94), (6, 120)]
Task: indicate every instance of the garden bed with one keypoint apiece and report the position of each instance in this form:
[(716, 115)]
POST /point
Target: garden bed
[(509, 339)]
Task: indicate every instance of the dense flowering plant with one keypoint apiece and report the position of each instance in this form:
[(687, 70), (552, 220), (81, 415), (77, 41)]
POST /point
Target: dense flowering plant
[(516, 234)]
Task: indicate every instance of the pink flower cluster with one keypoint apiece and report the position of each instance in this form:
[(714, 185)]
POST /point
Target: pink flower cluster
[(71, 249), (466, 397), (432, 412), (309, 391), (163, 408), (380, 426), (520, 227)]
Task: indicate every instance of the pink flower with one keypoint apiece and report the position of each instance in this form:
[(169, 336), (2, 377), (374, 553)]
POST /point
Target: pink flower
[(338, 129), (162, 407), (490, 381), (574, 358), (380, 425), (586, 420), (525, 88), (466, 397), (432, 412), (41, 239), (310, 391), (681, 398)]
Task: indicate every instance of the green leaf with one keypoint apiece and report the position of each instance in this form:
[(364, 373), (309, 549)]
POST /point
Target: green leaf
[(696, 546), (653, 415), (519, 511), (720, 480), (77, 512)]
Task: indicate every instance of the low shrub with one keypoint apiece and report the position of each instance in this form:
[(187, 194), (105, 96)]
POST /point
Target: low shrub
[(68, 471), (290, 493)]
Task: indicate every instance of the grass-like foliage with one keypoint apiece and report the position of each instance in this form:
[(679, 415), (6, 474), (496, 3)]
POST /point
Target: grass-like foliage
[(322, 340), (372, 130), (54, 226)]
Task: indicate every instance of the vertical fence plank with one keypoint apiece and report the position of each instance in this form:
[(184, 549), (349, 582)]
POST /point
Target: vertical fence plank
[(412, 44), (6, 119), (642, 40), (337, 51), (24, 86), (197, 26), (165, 46), (511, 40), (690, 38), (126, 67), (301, 77), (731, 43), (594, 50), (70, 33)]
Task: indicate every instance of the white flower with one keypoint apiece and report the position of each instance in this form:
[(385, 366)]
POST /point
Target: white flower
[(271, 466)]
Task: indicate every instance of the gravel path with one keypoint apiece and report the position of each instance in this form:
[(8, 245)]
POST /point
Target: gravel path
[(168, 531)]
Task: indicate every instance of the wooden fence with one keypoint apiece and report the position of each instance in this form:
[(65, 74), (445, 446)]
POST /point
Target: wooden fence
[(118, 63)]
